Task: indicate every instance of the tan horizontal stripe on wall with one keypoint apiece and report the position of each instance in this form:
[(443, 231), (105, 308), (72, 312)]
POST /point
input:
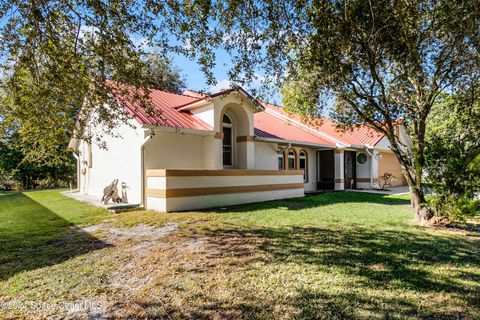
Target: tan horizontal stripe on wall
[(219, 135), (211, 173), (363, 179), (194, 192), (156, 193), (338, 180), (155, 173), (245, 138)]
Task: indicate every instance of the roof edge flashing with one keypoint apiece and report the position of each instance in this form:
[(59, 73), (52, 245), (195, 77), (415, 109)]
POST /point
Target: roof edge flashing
[(303, 126)]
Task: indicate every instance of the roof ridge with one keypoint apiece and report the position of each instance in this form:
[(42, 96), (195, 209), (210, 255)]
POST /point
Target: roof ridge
[(273, 104), (171, 92), (305, 127), (350, 132)]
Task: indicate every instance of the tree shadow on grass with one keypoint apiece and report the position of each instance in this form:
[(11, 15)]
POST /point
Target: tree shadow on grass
[(409, 262), (318, 200), (32, 236)]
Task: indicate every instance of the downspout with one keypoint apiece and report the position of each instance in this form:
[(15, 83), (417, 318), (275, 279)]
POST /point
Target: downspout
[(142, 165), (77, 159), (372, 157)]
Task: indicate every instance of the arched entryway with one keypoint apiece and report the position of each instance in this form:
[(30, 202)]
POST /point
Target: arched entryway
[(236, 137)]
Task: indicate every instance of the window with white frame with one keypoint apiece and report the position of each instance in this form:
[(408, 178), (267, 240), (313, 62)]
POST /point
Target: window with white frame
[(303, 164), (292, 161), (227, 127), (281, 161)]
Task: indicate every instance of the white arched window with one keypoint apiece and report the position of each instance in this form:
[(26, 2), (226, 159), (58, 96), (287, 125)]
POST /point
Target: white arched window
[(227, 127), (303, 164), (292, 160), (281, 161)]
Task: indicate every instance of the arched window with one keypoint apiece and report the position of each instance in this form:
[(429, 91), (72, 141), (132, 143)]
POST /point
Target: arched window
[(292, 161), (227, 128), (226, 119), (281, 161), (303, 164)]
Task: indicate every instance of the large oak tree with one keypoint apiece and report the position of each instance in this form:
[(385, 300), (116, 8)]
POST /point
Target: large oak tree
[(383, 61)]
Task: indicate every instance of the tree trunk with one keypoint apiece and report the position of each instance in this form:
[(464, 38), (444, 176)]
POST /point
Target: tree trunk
[(419, 205)]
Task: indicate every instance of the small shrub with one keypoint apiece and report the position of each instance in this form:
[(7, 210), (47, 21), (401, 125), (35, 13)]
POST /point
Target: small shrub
[(454, 208)]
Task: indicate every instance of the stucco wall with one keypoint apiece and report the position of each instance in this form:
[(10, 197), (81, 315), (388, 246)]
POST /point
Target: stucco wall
[(363, 172), (311, 184), (177, 151), (389, 163), (179, 190), (121, 160), (266, 158), (384, 144)]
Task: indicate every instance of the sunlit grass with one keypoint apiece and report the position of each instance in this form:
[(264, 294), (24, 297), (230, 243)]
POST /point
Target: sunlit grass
[(332, 256)]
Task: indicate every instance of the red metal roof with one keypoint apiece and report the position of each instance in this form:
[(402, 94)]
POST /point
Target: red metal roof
[(165, 102), (271, 127), (272, 123), (354, 136), (194, 94)]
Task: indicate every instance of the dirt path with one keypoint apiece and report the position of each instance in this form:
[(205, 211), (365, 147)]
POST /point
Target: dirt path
[(133, 248)]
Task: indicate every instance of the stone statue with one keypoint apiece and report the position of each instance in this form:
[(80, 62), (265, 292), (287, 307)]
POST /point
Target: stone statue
[(111, 192)]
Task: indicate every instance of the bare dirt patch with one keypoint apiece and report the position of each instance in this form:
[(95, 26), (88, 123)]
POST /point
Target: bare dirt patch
[(132, 249), (116, 235)]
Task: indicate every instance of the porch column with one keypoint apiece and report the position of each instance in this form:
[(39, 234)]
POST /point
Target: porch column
[(374, 169), (339, 169), (246, 152), (250, 146), (215, 154)]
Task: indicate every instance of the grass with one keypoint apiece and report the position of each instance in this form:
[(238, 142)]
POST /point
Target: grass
[(41, 228), (333, 256)]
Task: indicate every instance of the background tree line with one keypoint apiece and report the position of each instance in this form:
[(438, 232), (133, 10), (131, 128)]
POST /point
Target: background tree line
[(30, 160)]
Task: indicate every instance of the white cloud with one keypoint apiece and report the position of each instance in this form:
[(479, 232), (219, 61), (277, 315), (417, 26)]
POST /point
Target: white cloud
[(256, 83), (187, 45), (87, 31), (142, 43), (221, 85)]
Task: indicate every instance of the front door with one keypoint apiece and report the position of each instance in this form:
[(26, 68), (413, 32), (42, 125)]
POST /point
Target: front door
[(350, 174), (325, 170)]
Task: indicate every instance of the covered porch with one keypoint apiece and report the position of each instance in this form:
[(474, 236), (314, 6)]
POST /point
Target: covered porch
[(347, 169), (329, 168)]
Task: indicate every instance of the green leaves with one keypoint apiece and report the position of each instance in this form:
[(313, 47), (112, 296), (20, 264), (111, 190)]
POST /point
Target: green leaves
[(161, 73), (453, 152), (55, 60)]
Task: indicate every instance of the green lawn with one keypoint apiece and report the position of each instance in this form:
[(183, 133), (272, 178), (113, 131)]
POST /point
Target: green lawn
[(34, 227), (332, 256)]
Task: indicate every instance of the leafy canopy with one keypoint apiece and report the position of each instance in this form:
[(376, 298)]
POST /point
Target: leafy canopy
[(161, 74), (382, 61), (54, 59), (453, 149)]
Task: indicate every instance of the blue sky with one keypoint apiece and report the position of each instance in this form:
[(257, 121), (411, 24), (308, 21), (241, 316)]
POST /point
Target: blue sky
[(196, 80)]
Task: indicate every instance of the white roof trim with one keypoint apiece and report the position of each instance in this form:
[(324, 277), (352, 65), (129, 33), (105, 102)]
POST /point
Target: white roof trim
[(208, 100), (179, 130), (309, 144), (303, 126)]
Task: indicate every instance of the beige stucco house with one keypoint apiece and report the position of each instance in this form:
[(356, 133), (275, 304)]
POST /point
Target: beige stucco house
[(228, 148)]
